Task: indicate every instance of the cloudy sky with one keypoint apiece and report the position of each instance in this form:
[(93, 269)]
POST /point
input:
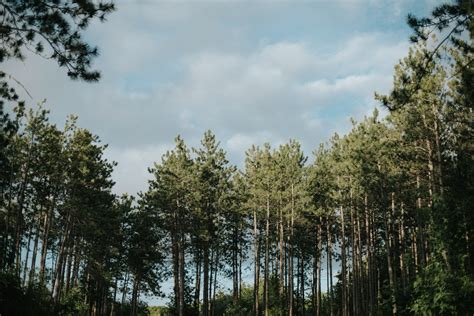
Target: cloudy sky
[(252, 72)]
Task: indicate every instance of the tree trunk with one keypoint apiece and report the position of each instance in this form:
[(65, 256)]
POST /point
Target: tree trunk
[(134, 303), (318, 268), (360, 263), (241, 261), (60, 262), (343, 257), (281, 258), (197, 291), (369, 264), (290, 267), (124, 291), (355, 268), (256, 264), (302, 283), (175, 258), (211, 279), (438, 149), (205, 298), (69, 266), (216, 268), (401, 236), (21, 202), (388, 243), (77, 261), (181, 276), (267, 245), (25, 267), (112, 307), (329, 258), (44, 245), (235, 277), (35, 251)]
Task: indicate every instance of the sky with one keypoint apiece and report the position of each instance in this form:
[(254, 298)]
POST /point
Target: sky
[(250, 71)]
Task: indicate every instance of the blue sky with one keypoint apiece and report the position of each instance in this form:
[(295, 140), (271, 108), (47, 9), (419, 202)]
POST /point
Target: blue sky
[(251, 71)]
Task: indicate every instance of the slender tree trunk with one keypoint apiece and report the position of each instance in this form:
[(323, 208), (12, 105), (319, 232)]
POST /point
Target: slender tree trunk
[(62, 271), (290, 276), (235, 263), (18, 238), (389, 245), (25, 267), (181, 275), (369, 264), (77, 261), (35, 249), (241, 261), (302, 287), (266, 272), (21, 201), (134, 303), (355, 268), (281, 259), (235, 268), (70, 263), (211, 279), (114, 300), (438, 149), (33, 256), (256, 264), (298, 288), (124, 291), (401, 230), (44, 245), (362, 291), (60, 261), (318, 268), (197, 290), (314, 282), (329, 250), (175, 258), (205, 298), (418, 236), (343, 257), (216, 269)]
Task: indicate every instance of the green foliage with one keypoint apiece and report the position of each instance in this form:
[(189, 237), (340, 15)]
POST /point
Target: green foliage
[(16, 300), (72, 303), (434, 292), (158, 311), (57, 25)]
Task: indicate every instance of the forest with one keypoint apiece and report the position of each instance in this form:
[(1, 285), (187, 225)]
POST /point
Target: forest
[(378, 221)]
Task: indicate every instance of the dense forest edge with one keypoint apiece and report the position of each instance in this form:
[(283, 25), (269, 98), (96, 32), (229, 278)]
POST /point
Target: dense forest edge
[(380, 222)]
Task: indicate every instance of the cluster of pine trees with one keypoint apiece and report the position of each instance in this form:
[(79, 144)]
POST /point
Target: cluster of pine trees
[(63, 235), (379, 221)]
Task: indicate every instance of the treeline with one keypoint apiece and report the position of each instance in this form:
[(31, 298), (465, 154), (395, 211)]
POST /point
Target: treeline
[(379, 223), (64, 237)]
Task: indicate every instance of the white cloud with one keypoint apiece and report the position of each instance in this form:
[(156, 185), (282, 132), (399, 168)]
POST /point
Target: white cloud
[(242, 71), (239, 143), (131, 173), (360, 85), (277, 91)]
